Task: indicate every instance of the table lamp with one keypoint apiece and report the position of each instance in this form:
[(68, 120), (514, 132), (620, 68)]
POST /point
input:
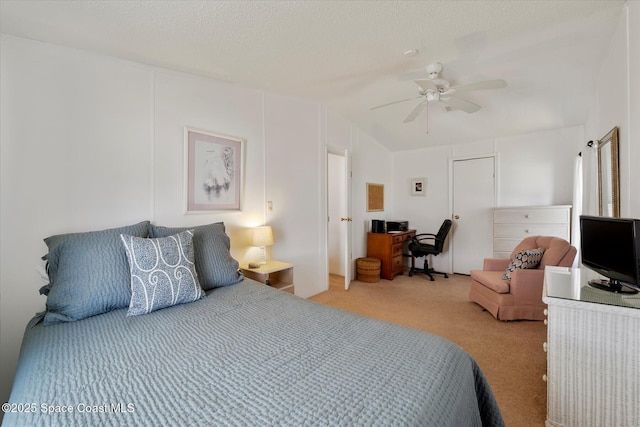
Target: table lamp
[(262, 237)]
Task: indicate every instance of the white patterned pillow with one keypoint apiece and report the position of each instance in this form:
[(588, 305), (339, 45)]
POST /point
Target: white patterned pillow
[(162, 272), (525, 259)]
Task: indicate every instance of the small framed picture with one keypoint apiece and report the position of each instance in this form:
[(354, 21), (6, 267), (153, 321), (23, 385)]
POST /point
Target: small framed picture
[(213, 171), (418, 186)]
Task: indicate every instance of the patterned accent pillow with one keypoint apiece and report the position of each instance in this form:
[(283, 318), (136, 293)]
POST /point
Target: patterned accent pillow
[(525, 259), (214, 263), (162, 272), (88, 273)]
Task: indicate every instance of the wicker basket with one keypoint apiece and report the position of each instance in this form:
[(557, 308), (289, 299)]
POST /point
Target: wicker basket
[(368, 269)]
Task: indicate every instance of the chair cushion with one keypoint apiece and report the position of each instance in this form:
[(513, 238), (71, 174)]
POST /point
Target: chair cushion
[(524, 259), (492, 280), (419, 250)]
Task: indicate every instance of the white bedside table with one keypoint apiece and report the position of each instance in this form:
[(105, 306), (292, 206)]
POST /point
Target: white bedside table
[(274, 273)]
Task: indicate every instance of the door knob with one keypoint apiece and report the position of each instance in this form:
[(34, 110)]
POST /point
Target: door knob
[(456, 216)]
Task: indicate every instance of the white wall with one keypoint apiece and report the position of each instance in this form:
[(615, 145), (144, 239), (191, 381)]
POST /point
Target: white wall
[(371, 163), (618, 104), (91, 142), (533, 169), (76, 153)]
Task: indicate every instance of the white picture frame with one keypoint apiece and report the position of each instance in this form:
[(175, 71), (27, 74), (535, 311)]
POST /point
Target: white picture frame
[(418, 186), (213, 171)]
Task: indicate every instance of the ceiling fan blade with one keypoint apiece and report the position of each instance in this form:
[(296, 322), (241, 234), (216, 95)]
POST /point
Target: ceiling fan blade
[(426, 84), (487, 84), (459, 104), (412, 75), (395, 102), (415, 112)]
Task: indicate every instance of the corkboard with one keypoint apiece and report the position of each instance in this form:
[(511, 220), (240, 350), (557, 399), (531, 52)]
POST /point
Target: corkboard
[(375, 197)]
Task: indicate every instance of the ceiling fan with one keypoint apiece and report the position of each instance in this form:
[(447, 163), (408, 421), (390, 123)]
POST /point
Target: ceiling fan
[(434, 89)]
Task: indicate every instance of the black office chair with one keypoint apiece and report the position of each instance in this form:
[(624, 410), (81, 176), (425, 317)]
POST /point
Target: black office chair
[(419, 247)]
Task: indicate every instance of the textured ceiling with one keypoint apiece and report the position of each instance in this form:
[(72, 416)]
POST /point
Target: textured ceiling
[(349, 54)]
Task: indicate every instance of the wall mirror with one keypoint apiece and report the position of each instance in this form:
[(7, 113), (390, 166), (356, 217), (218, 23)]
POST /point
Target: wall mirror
[(608, 176)]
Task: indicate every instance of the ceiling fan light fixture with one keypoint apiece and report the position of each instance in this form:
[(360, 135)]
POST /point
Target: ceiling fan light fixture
[(433, 70), (432, 95)]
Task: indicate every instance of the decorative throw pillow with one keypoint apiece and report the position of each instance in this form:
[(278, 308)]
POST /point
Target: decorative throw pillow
[(525, 259), (214, 263), (162, 272), (88, 273)]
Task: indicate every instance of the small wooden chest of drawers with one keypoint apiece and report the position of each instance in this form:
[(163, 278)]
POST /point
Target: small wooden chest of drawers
[(388, 248)]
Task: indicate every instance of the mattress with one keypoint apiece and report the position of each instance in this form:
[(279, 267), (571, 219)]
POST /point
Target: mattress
[(246, 354)]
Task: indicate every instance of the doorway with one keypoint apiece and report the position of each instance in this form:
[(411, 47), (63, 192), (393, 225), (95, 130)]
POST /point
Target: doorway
[(473, 196), (338, 216)]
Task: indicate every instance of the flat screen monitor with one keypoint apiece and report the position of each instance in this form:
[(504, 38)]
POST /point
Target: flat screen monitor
[(611, 248)]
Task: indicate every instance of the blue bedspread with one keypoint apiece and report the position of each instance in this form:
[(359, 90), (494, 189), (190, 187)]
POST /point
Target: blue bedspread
[(245, 355)]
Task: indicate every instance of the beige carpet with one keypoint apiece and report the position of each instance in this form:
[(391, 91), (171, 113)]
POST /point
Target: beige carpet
[(509, 353)]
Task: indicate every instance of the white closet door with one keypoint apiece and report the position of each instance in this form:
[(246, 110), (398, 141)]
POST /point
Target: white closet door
[(473, 202)]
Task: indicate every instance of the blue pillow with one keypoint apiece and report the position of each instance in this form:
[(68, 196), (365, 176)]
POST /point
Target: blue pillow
[(162, 270), (88, 273), (214, 264)]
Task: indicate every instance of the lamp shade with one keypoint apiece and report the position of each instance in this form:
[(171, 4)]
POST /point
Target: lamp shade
[(262, 236)]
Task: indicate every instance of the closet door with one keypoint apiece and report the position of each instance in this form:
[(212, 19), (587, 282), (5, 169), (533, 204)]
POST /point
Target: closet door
[(473, 202)]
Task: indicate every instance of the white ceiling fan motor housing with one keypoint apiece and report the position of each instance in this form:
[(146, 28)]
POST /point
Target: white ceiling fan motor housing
[(433, 70)]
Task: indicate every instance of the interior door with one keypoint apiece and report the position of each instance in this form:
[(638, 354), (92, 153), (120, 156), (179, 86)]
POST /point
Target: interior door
[(339, 214), (473, 202)]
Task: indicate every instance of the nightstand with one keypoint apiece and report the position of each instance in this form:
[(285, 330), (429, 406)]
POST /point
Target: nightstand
[(277, 274)]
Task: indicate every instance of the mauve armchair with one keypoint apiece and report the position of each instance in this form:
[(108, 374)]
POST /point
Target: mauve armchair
[(520, 298)]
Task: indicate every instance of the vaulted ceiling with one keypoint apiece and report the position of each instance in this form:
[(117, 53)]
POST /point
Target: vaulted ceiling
[(350, 56)]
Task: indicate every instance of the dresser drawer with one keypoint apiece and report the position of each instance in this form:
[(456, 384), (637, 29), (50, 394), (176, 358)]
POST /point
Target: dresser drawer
[(524, 230), (505, 245), (531, 216), (396, 250), (399, 238), (396, 263)]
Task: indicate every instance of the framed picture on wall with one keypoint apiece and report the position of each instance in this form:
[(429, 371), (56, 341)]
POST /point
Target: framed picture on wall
[(213, 171), (375, 197), (418, 186)]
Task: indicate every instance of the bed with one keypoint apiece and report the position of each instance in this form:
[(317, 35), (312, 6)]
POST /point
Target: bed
[(242, 354)]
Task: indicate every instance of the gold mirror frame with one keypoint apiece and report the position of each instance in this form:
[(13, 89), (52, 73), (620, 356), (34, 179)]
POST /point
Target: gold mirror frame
[(608, 175)]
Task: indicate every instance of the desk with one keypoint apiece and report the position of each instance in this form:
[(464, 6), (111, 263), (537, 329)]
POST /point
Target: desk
[(387, 247), (593, 353)]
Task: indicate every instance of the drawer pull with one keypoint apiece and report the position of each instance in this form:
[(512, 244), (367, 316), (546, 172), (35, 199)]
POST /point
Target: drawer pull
[(544, 378), (546, 322), (546, 312), (526, 231), (526, 216), (544, 347)]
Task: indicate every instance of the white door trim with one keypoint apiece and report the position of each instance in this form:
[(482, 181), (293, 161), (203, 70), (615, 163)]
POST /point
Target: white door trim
[(346, 154)]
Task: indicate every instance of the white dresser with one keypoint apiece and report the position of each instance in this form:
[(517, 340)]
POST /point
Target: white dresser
[(593, 353), (511, 225)]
